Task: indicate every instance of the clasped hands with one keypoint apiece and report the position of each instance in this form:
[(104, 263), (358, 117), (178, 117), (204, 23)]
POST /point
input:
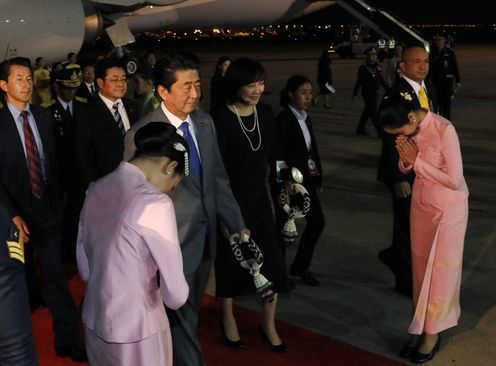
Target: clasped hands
[(407, 149)]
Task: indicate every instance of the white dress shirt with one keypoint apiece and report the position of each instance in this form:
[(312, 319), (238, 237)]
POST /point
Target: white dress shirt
[(176, 122), (122, 110), (302, 117)]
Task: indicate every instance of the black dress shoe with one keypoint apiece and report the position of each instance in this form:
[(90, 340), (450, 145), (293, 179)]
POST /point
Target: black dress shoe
[(418, 357), (279, 348), (229, 343), (305, 276), (407, 351), (75, 353)]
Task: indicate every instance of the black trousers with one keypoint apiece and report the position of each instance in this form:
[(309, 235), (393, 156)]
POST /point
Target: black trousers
[(315, 224), (400, 250), (444, 91), (369, 111), (46, 239), (16, 339)]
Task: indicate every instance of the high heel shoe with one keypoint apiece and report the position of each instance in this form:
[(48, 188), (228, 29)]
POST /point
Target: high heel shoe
[(418, 357), (229, 343), (279, 348)]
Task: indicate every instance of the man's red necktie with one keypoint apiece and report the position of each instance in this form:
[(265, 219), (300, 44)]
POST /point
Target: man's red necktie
[(33, 157)]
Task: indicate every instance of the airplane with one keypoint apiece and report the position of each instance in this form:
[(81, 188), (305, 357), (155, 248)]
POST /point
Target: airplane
[(53, 28)]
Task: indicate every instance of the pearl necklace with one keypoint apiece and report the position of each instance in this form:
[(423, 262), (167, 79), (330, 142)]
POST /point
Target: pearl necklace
[(245, 129)]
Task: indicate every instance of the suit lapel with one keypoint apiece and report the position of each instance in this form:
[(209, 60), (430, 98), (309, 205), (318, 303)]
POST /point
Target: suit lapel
[(200, 140), (295, 125), (11, 130)]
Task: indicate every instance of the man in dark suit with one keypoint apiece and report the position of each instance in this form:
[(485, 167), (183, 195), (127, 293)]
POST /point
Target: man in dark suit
[(200, 196), (30, 191), (104, 122), (414, 67), (65, 109), (88, 88)]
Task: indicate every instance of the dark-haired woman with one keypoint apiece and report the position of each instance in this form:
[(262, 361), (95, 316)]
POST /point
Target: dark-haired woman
[(245, 130), (428, 144), (298, 148), (218, 83), (127, 246), (324, 78)]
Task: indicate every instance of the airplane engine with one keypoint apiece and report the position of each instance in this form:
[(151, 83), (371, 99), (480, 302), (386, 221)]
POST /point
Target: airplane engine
[(49, 28)]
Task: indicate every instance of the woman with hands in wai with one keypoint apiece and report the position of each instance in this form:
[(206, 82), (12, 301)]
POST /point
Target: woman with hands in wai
[(428, 144)]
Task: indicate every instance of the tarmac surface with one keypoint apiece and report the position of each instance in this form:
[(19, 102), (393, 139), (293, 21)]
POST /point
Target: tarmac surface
[(355, 302)]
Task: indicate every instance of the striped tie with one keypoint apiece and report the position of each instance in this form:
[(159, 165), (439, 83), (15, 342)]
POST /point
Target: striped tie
[(33, 157), (424, 102), (118, 118)]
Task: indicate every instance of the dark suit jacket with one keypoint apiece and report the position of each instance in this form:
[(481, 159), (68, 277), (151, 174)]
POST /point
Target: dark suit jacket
[(292, 147), (15, 186), (65, 135), (84, 92), (389, 172), (99, 142)]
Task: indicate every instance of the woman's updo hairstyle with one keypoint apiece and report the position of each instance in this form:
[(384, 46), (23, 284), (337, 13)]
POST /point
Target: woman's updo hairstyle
[(159, 139), (394, 109), (292, 85)]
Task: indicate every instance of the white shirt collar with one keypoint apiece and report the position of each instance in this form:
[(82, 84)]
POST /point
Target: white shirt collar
[(174, 120), (64, 104), (300, 115), (416, 86), (110, 104)]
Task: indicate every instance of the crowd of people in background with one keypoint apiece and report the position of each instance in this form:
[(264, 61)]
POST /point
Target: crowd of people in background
[(155, 191)]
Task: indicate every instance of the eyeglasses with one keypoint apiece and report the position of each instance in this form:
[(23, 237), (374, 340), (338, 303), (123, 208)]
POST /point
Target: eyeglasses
[(115, 81)]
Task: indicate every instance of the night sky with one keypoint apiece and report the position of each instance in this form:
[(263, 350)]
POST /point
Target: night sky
[(425, 11)]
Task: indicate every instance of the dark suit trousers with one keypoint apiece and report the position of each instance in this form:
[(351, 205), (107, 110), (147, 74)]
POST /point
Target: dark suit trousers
[(16, 339), (400, 248), (184, 321), (369, 111), (46, 237), (444, 91), (315, 223)]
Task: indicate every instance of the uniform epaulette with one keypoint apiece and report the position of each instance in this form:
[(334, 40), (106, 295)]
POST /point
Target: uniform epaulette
[(81, 99)]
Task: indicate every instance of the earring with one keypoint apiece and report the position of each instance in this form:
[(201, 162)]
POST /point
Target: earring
[(168, 172)]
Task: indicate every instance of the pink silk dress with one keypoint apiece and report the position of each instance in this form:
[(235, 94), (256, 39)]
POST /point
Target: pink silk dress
[(128, 240), (438, 221)]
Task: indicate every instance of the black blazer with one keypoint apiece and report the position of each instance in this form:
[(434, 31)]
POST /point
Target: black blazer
[(99, 142), (84, 92), (291, 146), (388, 172), (15, 186)]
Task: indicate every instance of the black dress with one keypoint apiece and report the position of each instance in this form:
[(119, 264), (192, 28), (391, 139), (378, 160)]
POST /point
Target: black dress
[(247, 172)]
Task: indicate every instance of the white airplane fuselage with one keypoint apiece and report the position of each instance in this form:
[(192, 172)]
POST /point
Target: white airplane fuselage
[(53, 28)]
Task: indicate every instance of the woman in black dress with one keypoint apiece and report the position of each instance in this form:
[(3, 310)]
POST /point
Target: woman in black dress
[(245, 131), (218, 83), (298, 148), (324, 78)]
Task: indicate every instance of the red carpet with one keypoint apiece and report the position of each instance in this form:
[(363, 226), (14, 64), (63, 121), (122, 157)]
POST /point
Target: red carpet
[(306, 348)]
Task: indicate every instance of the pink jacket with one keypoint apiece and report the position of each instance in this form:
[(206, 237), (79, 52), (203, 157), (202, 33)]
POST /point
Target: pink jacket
[(127, 231), (439, 169)]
